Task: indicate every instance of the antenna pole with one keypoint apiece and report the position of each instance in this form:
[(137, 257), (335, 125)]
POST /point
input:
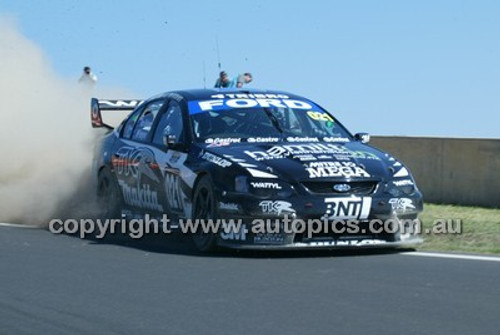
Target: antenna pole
[(218, 53)]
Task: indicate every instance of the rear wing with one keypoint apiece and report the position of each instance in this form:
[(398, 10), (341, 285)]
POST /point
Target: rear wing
[(99, 105)]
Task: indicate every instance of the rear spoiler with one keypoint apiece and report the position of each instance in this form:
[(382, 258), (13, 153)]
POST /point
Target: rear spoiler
[(98, 105)]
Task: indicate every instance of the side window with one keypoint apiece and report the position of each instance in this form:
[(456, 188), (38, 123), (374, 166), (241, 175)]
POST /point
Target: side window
[(129, 125), (170, 123), (145, 122)]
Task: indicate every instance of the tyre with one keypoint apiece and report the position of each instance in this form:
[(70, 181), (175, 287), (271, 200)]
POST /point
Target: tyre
[(109, 196), (204, 208)]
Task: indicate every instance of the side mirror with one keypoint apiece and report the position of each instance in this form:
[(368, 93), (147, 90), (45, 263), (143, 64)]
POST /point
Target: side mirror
[(171, 142), (362, 137)]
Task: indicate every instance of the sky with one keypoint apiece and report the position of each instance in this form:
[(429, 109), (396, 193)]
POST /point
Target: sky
[(411, 68)]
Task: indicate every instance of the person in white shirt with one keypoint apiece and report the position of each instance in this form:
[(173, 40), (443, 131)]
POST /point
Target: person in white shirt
[(88, 78)]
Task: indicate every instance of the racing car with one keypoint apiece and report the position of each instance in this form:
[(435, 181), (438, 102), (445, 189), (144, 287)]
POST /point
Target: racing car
[(250, 154)]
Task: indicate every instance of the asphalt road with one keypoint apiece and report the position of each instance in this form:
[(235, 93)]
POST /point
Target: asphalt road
[(57, 284)]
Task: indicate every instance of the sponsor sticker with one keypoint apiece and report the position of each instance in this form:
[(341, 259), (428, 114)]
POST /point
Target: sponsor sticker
[(228, 206), (401, 204), (404, 182), (222, 103), (336, 169), (224, 163), (302, 139), (262, 139), (231, 231), (277, 207), (283, 151), (266, 185), (347, 208)]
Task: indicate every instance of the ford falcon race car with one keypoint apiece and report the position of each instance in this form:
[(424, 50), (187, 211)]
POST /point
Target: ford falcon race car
[(256, 156)]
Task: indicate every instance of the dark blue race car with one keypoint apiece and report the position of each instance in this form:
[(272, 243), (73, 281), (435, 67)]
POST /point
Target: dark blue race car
[(248, 155)]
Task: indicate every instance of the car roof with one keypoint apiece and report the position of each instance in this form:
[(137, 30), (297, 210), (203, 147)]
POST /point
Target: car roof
[(202, 94)]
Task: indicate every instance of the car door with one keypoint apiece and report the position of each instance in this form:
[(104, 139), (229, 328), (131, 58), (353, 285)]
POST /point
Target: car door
[(134, 162), (177, 178)]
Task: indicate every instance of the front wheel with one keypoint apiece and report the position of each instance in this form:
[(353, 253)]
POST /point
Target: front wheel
[(204, 209)]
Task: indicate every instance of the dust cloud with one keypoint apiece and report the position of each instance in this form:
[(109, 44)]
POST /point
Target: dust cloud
[(46, 141)]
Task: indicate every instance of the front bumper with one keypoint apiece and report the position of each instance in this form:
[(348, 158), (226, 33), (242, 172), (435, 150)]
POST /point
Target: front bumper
[(360, 210), (330, 245)]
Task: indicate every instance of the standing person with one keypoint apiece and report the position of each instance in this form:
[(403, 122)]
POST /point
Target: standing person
[(223, 80), (241, 80), (88, 78)]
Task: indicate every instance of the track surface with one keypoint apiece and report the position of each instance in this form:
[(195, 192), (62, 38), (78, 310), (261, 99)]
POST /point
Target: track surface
[(64, 285)]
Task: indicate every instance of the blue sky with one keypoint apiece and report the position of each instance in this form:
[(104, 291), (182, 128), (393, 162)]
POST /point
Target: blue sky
[(426, 68)]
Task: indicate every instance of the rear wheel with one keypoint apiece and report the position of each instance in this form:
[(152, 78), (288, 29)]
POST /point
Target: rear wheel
[(109, 195), (204, 208)]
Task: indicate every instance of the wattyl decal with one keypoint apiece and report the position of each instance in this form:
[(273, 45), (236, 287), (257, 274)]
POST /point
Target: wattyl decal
[(268, 185)]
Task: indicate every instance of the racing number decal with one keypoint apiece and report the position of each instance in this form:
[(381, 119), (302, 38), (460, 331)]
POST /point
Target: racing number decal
[(173, 192), (318, 116)]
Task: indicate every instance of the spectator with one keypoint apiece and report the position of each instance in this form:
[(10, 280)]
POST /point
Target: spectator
[(88, 78), (223, 80), (241, 80)]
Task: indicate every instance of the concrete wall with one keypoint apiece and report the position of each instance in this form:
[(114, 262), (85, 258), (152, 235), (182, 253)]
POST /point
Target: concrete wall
[(450, 170)]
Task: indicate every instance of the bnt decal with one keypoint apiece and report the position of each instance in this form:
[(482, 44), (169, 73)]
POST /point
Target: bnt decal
[(348, 208)]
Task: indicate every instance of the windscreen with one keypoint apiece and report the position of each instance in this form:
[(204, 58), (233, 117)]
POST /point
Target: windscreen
[(275, 118)]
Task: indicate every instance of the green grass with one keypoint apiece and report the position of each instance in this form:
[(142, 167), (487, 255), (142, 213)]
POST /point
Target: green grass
[(480, 229)]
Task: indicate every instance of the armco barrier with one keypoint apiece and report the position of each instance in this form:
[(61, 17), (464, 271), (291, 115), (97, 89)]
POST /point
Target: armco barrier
[(450, 170)]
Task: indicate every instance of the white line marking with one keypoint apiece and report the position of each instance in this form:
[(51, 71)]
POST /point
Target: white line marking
[(453, 256), (17, 225)]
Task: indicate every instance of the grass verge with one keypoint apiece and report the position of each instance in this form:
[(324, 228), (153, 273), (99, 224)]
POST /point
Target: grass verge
[(480, 229)]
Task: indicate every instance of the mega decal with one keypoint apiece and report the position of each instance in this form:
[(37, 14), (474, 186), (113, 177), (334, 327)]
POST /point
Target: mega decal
[(224, 163), (223, 104), (348, 208), (336, 169), (401, 204)]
